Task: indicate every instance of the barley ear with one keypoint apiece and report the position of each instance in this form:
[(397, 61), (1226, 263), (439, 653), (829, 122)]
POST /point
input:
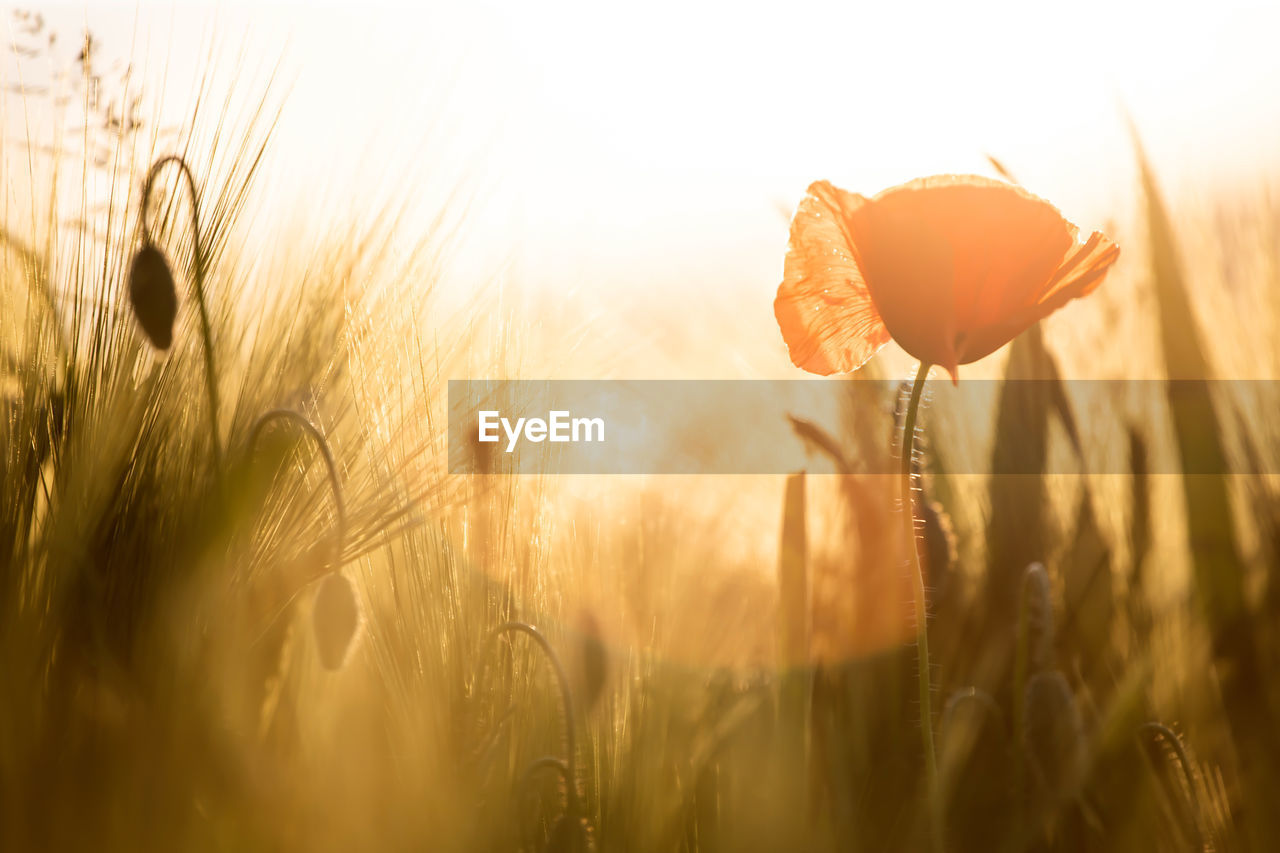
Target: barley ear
[(1176, 754)]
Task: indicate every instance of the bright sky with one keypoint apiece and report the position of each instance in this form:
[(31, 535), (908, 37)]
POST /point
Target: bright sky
[(644, 147)]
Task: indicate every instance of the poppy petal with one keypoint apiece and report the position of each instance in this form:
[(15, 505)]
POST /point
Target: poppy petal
[(952, 267), (824, 307), (1080, 272), (951, 258)]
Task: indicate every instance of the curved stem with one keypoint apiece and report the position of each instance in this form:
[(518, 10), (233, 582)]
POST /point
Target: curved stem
[(335, 484), (566, 697), (546, 762), (922, 622), (206, 331)]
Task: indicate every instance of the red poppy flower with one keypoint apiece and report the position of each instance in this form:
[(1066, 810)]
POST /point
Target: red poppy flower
[(952, 267)]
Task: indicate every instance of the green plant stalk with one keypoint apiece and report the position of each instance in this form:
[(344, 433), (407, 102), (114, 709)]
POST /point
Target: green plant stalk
[(922, 622), (206, 329)]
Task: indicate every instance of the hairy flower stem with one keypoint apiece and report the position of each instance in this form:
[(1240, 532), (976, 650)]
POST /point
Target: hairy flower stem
[(331, 468), (206, 331), (566, 698), (922, 622)]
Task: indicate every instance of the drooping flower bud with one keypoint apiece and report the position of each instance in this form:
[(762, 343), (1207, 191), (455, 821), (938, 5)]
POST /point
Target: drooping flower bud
[(152, 293), (593, 662)]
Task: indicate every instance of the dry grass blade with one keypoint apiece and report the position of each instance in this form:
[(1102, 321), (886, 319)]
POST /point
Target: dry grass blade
[(1218, 564)]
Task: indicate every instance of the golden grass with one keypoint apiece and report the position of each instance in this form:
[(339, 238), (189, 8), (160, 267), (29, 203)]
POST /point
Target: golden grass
[(163, 686)]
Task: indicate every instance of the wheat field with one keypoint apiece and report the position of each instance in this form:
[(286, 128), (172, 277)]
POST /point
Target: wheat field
[(245, 606)]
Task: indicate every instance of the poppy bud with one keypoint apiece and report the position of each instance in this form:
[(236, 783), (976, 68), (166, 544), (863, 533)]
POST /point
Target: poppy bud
[(151, 290), (335, 616), (593, 664)]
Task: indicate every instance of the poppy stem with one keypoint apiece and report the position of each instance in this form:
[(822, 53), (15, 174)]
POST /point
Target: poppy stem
[(566, 699), (210, 374), (922, 621), (331, 468)]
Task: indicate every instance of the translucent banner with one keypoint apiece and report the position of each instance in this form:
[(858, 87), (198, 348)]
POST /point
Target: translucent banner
[(839, 426)]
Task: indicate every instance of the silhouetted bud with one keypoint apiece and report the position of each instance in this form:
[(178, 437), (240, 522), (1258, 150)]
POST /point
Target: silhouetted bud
[(592, 662), (336, 616), (151, 290)]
